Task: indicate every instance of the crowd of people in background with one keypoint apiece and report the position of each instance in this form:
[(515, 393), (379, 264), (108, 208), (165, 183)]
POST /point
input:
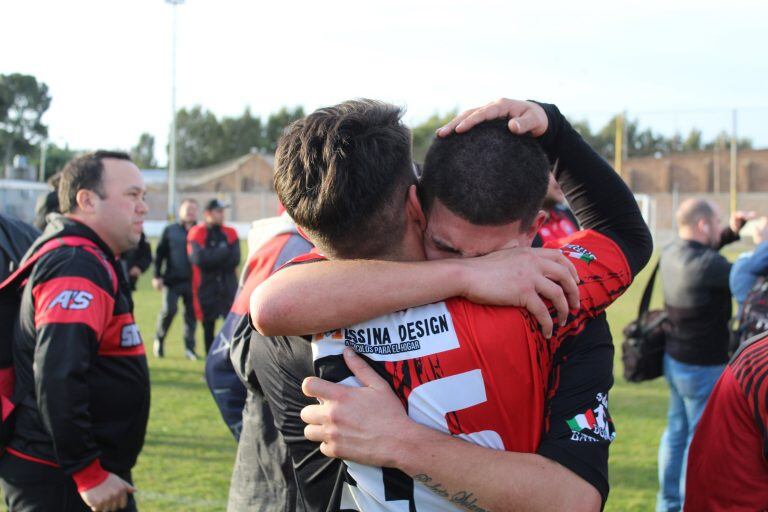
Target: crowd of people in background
[(474, 287)]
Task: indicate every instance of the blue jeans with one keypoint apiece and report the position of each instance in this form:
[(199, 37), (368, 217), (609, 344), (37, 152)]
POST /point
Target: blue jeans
[(689, 388)]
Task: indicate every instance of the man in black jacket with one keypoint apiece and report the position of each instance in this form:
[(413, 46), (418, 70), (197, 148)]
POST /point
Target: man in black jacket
[(15, 239), (214, 251), (136, 261), (697, 300), (173, 275), (78, 356)]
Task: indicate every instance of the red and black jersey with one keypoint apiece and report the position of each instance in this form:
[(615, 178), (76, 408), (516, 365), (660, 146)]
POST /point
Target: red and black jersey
[(477, 372), (728, 457), (78, 351), (214, 252)]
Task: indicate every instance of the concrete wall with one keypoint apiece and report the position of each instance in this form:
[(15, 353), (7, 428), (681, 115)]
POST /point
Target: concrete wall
[(245, 206), (702, 172)]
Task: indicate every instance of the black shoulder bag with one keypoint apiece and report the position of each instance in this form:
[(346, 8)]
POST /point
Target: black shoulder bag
[(643, 345)]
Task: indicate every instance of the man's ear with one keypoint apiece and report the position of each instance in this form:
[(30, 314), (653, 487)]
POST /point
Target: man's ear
[(703, 225), (413, 208), (86, 200), (538, 221)]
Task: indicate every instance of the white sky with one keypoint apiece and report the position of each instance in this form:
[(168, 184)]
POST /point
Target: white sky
[(672, 63)]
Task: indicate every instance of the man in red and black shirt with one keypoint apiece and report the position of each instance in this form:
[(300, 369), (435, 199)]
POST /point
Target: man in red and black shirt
[(728, 457), (214, 252), (610, 211), (78, 356)]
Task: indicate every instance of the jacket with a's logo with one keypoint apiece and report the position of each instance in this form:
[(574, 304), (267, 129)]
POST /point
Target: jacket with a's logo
[(80, 359)]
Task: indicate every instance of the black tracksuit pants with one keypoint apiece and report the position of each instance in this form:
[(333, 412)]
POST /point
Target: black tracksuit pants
[(171, 295)]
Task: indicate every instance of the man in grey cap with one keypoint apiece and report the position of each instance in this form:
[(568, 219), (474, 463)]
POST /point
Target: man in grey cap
[(214, 252)]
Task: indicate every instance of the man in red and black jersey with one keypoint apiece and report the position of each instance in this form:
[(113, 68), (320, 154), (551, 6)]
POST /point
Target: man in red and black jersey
[(262, 478), (728, 457), (78, 356), (595, 204), (214, 252)]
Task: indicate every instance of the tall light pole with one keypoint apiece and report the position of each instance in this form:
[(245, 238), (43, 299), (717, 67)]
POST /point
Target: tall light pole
[(172, 152)]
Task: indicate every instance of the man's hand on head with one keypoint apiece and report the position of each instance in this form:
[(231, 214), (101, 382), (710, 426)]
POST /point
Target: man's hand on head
[(360, 424), (524, 117), (109, 496), (739, 218), (525, 277)]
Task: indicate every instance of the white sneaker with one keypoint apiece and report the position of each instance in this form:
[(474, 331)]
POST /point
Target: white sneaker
[(157, 349), (190, 354)]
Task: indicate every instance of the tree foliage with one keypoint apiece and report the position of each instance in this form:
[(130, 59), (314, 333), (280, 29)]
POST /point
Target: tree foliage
[(143, 153), (424, 133), (23, 101), (203, 140)]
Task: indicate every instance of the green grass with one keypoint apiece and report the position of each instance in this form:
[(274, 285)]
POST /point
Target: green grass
[(189, 453)]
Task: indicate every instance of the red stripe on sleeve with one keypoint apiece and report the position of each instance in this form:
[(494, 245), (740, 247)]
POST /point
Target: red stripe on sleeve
[(71, 300), (90, 476)]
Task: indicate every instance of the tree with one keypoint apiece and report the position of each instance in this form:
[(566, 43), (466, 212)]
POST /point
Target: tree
[(424, 133), (143, 153), (242, 134), (55, 158), (199, 138), (277, 122), (23, 101), (723, 140), (693, 141)]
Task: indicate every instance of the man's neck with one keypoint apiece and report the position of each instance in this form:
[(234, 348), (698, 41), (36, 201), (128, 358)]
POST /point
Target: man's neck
[(87, 221), (690, 236)]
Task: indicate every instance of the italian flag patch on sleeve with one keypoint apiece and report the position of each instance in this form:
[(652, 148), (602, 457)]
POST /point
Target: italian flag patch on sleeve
[(582, 421)]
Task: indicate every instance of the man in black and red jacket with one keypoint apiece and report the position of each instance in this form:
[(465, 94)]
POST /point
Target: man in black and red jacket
[(214, 252), (78, 356)]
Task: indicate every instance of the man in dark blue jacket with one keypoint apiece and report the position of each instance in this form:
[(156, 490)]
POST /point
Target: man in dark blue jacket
[(173, 275)]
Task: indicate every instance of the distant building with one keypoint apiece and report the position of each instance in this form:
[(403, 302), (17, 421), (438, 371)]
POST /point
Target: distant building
[(18, 198), (244, 182), (697, 172)]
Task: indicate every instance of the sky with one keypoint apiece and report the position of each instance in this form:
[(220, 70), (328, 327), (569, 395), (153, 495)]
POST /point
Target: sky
[(671, 64)]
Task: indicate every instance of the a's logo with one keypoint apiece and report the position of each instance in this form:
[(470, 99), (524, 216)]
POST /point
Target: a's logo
[(593, 424), (72, 299), (130, 336), (577, 252)]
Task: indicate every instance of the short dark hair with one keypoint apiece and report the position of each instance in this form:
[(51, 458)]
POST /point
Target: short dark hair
[(690, 212), (84, 172), (343, 174), (487, 176)]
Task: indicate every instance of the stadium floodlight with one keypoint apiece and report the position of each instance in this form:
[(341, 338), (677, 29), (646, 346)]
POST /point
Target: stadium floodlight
[(172, 150)]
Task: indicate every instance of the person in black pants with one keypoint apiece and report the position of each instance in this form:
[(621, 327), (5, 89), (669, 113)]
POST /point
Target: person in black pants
[(173, 275), (214, 252)]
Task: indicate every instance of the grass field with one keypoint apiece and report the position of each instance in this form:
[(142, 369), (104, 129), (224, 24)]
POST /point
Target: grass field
[(188, 456)]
